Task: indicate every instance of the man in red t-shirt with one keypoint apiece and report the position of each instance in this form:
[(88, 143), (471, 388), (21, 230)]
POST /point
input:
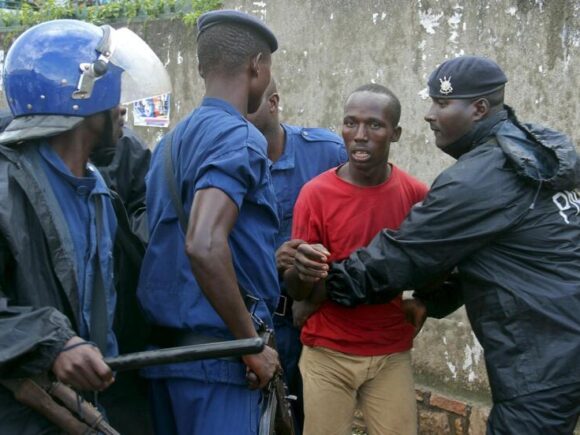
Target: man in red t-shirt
[(357, 355)]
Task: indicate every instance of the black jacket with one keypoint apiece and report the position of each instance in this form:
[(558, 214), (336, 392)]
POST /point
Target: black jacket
[(506, 215), (38, 291), (37, 274)]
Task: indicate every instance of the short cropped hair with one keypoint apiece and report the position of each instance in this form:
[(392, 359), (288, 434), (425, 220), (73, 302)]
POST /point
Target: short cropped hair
[(495, 98), (225, 48), (394, 103)]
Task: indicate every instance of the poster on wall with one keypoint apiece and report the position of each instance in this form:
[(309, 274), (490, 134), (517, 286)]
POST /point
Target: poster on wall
[(152, 112)]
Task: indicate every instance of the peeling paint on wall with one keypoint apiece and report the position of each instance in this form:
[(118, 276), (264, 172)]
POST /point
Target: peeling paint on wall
[(452, 368), (260, 10), (511, 11), (429, 20), (424, 93), (570, 35), (454, 22), (376, 17), (472, 357)]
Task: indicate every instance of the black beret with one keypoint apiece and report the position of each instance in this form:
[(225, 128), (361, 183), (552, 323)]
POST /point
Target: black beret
[(466, 77), (209, 19)]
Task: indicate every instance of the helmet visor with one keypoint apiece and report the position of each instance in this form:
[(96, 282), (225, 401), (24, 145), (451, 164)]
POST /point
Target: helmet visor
[(144, 75)]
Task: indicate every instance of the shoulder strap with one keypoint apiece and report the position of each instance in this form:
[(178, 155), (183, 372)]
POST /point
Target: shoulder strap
[(172, 182), (169, 170), (99, 318)]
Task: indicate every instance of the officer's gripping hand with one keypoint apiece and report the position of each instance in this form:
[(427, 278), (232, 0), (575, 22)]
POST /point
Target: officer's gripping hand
[(310, 262), (82, 366), (261, 367), (286, 253)]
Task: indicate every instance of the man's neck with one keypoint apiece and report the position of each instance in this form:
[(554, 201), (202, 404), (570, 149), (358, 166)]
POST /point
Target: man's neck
[(367, 178), (276, 137), (234, 90), (73, 151), (480, 130)]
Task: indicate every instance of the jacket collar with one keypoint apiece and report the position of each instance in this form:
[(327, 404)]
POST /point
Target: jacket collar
[(288, 158), (480, 131)]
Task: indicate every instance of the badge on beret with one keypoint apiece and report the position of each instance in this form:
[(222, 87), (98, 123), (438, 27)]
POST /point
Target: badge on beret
[(446, 87)]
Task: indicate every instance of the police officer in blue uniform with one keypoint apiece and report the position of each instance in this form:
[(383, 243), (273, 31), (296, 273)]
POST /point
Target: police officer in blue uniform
[(217, 281), (298, 154), (64, 82)]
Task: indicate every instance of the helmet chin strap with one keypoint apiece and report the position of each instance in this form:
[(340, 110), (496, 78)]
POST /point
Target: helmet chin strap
[(91, 72)]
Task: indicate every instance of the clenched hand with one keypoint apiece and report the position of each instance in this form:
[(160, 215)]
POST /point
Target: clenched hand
[(82, 367), (285, 254), (311, 262), (261, 367)]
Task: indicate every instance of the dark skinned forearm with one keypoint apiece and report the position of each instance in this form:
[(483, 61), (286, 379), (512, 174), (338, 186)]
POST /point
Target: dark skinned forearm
[(297, 289), (213, 215)]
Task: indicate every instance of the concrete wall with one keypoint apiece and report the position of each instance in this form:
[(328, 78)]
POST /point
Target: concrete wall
[(329, 47)]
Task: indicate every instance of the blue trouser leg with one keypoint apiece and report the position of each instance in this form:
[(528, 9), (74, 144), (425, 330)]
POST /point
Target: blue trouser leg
[(189, 407), (289, 349), (548, 412), (161, 410)]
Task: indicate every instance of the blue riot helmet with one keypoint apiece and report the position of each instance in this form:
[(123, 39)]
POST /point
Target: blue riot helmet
[(59, 72)]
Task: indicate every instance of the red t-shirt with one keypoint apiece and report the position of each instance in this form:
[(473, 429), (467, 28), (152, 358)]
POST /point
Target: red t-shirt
[(344, 217)]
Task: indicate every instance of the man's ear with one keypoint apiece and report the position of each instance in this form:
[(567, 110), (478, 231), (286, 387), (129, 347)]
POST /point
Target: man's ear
[(200, 71), (397, 134), (255, 62), (481, 108), (273, 101)]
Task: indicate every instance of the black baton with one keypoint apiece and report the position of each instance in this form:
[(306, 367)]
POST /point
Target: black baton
[(221, 349)]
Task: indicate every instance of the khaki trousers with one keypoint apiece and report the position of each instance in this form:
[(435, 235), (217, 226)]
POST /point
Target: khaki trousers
[(335, 383)]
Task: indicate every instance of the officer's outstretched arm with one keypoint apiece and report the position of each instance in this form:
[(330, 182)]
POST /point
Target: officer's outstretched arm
[(457, 218)]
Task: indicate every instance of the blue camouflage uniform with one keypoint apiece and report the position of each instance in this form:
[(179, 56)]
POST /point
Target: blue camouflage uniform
[(214, 147), (307, 153)]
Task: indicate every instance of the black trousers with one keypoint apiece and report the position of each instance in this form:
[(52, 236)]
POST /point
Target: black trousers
[(548, 412)]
